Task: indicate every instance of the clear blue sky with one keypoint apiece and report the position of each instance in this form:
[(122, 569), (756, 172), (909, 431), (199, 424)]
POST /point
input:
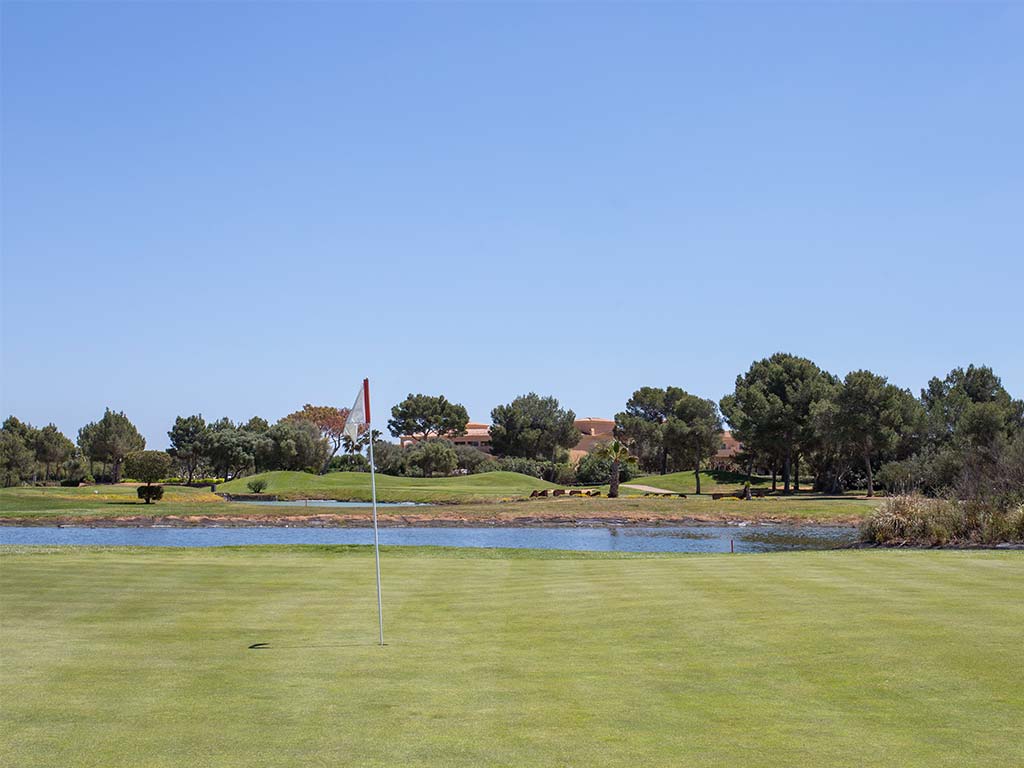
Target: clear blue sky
[(235, 208)]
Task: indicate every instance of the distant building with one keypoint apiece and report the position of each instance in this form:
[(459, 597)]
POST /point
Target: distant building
[(725, 457), (593, 432), (477, 435)]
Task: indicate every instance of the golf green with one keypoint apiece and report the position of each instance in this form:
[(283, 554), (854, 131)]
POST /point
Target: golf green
[(127, 657)]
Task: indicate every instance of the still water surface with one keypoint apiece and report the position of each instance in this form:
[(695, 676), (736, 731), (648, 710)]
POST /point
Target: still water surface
[(691, 538)]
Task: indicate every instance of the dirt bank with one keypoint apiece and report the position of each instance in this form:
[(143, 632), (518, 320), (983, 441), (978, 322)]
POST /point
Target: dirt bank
[(444, 517)]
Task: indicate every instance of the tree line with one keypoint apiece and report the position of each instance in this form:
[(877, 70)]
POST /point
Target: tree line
[(793, 419)]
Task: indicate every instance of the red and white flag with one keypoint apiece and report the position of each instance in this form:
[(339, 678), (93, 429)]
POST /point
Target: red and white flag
[(359, 417)]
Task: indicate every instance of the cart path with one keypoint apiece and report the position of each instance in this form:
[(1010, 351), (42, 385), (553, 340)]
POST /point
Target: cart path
[(647, 488)]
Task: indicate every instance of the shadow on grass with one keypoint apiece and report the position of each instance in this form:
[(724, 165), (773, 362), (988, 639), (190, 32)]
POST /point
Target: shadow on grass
[(276, 647)]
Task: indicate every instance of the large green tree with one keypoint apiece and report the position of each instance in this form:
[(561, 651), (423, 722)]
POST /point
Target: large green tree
[(228, 449), (186, 438), (17, 459), (295, 445), (643, 425), (872, 417), (970, 405), (428, 416), (27, 436), (533, 427), (770, 408), (694, 431), (110, 440), (52, 448)]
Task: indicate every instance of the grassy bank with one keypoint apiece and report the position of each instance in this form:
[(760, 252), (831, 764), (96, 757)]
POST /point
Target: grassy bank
[(119, 503), (128, 658)]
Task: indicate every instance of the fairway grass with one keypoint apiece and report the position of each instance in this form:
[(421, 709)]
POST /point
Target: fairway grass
[(122, 657)]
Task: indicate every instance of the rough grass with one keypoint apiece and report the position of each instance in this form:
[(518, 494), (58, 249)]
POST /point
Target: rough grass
[(355, 486), (140, 658)]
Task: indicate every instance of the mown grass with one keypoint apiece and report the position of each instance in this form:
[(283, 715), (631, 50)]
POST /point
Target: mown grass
[(140, 658), (355, 486)]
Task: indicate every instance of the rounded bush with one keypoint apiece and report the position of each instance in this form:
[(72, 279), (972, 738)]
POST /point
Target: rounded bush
[(150, 493)]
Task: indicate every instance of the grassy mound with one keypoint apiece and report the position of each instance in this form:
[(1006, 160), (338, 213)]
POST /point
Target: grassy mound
[(124, 658), (355, 486)]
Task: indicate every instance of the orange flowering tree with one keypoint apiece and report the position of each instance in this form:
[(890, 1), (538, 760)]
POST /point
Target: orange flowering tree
[(329, 420)]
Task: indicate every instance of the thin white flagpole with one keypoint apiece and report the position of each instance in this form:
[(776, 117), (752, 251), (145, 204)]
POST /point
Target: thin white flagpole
[(376, 537)]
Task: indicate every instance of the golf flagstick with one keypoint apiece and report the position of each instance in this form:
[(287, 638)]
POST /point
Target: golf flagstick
[(358, 417), (376, 537)]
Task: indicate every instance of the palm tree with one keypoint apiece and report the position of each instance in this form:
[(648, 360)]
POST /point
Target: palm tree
[(616, 452)]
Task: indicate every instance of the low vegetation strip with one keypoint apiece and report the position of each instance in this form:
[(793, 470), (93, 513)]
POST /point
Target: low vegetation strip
[(120, 658), (118, 505)]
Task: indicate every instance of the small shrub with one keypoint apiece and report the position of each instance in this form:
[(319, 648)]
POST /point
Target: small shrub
[(257, 485), (150, 493)]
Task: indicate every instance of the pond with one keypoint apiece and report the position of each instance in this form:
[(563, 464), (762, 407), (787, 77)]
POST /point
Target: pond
[(690, 538)]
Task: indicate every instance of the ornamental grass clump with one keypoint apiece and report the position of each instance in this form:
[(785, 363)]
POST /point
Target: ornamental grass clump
[(920, 521), (915, 520), (1016, 521)]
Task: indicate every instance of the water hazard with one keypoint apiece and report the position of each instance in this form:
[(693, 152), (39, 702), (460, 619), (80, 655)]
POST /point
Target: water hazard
[(690, 538)]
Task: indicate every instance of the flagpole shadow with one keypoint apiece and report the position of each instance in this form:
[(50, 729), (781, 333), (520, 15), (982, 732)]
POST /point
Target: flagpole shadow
[(282, 647)]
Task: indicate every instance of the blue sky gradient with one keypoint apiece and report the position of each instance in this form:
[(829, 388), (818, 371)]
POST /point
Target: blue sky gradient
[(235, 209)]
